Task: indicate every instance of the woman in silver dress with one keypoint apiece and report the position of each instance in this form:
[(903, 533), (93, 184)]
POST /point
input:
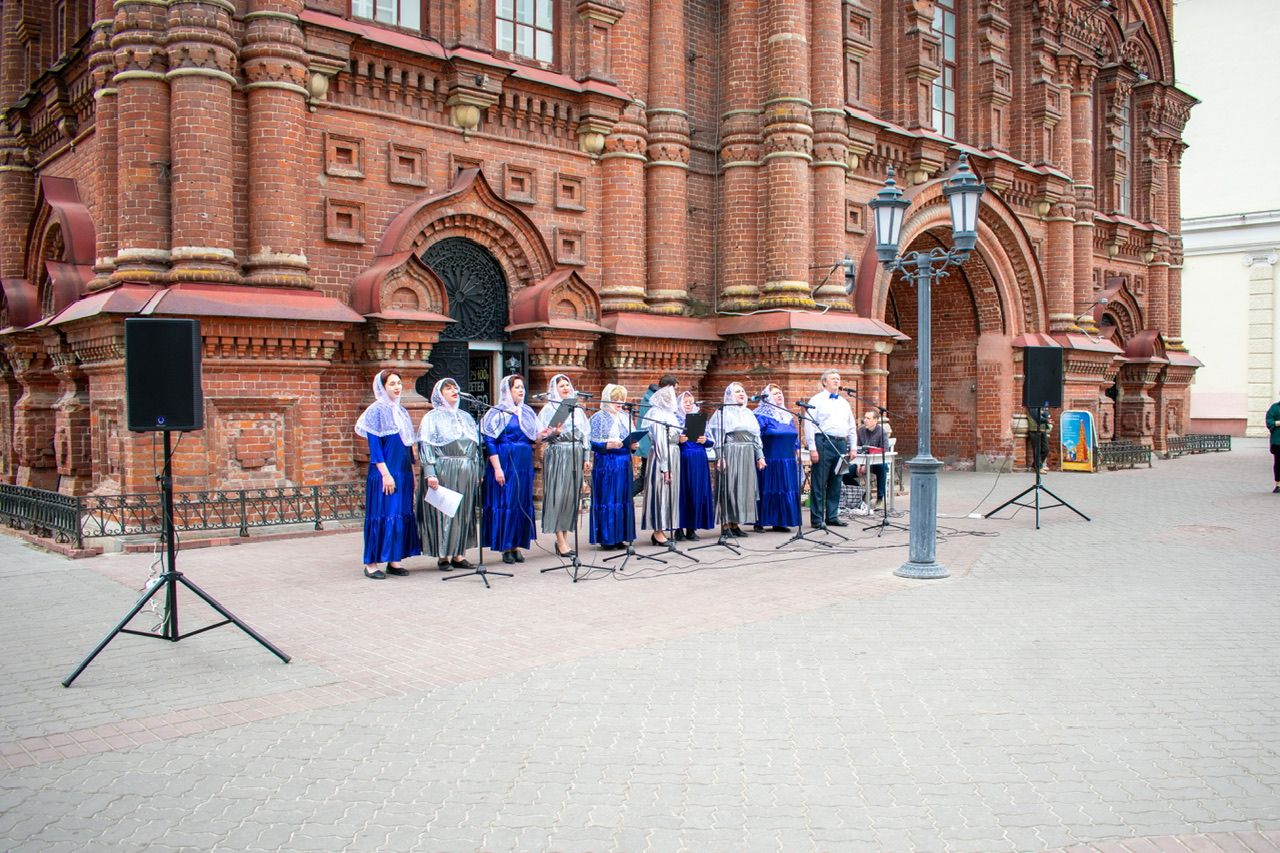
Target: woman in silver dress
[(562, 463), (449, 449), (736, 432), (662, 480)]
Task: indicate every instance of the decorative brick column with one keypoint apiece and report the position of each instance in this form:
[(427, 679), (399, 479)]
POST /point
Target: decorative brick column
[(740, 159), (1173, 333), (831, 150), (274, 63), (788, 146), (994, 77), (9, 393), (1082, 172), (202, 51), (623, 196), (1060, 258), (667, 171), (34, 414), (102, 63), (71, 434), (17, 184), (143, 155), (1136, 410)]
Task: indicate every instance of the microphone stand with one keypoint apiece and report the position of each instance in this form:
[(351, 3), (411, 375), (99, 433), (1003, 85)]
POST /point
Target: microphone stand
[(670, 487), (805, 415), (800, 534), (573, 560), (884, 504), (630, 551), (723, 540), (479, 567)]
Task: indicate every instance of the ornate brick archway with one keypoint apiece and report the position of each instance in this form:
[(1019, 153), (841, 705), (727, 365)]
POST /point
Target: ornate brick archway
[(977, 312)]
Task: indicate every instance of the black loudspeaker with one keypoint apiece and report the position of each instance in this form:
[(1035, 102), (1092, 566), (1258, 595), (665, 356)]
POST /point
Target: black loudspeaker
[(162, 375), (1042, 377)]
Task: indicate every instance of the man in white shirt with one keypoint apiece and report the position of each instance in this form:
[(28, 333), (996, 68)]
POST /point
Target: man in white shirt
[(831, 438)]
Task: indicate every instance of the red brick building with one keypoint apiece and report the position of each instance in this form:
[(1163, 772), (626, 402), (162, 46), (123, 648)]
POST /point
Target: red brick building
[(610, 188)]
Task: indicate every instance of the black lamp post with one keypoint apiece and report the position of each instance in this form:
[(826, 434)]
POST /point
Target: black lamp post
[(963, 192)]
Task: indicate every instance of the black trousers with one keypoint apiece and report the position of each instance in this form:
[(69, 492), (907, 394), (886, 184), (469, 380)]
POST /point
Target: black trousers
[(824, 491), (1275, 461)]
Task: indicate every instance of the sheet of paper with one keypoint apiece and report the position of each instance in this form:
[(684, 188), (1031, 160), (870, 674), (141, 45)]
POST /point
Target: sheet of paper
[(445, 500)]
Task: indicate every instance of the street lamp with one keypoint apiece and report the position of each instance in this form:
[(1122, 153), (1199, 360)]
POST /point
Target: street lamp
[(963, 192)]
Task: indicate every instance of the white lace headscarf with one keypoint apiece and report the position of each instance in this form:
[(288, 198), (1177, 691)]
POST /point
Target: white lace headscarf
[(732, 418), (680, 412), (446, 423), (384, 417), (495, 420), (773, 404), (553, 404), (611, 422), (662, 407)]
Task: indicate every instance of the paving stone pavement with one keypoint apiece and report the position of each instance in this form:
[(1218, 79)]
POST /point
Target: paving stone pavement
[(1108, 685)]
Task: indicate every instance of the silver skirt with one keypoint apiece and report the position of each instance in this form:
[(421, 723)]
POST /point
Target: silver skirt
[(561, 486), (737, 503), (662, 499), (457, 467)]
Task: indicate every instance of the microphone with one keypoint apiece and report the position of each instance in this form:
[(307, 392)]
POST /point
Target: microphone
[(805, 405), (852, 392), (538, 397), (757, 398), (702, 402), (586, 394)]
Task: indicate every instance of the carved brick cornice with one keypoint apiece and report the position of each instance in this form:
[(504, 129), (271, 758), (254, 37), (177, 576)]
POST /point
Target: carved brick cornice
[(200, 38)]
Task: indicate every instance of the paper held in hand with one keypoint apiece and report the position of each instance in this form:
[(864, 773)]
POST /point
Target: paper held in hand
[(445, 500)]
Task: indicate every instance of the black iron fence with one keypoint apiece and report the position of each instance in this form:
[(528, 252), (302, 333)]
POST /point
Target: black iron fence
[(67, 519), (1197, 443), (1123, 454)]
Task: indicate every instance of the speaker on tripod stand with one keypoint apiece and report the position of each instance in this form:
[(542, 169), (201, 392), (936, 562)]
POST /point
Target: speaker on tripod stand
[(163, 394), (1042, 378)]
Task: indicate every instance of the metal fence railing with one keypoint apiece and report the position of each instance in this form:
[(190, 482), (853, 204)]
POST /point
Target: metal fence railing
[(69, 519), (1177, 445)]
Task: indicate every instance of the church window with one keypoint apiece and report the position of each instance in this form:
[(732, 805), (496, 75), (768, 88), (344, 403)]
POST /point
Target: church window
[(944, 85), (1124, 159), (398, 13), (527, 28)]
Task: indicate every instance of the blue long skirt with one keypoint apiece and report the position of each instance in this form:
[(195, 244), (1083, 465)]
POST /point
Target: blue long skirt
[(508, 509), (613, 513), (390, 527), (697, 500), (779, 481)]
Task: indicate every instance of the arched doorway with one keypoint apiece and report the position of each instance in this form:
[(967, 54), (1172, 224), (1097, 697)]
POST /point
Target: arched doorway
[(474, 347), (971, 385)]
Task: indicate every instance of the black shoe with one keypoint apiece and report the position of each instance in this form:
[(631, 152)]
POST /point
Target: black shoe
[(398, 571), (778, 528), (758, 528), (692, 535), (653, 538), (735, 530), (508, 557), (375, 575), (566, 555), (443, 566), (460, 563), (815, 524), (1276, 490), (519, 557), (837, 523)]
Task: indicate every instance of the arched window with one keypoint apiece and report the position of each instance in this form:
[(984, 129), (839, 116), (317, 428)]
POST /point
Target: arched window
[(1124, 157), (398, 13), (527, 28), (944, 85), (1115, 135)]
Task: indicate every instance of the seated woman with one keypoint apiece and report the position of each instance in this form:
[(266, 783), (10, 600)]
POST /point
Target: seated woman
[(390, 530), (737, 432), (779, 480), (449, 448), (613, 512), (697, 500), (510, 430)]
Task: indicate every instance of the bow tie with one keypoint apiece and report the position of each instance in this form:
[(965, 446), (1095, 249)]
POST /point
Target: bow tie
[(835, 396)]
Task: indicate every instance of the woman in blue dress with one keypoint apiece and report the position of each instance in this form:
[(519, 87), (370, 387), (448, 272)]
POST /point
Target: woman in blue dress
[(390, 528), (779, 481), (510, 430), (613, 512), (697, 501)]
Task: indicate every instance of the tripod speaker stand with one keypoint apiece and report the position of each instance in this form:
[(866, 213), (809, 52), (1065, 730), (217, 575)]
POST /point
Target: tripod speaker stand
[(169, 581)]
